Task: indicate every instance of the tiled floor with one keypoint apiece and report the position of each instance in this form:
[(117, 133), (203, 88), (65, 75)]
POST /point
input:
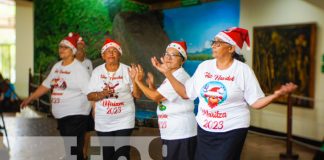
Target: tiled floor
[(37, 138)]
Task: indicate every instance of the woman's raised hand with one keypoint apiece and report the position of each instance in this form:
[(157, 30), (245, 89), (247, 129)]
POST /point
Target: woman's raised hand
[(132, 71), (286, 89), (160, 66), (136, 72), (139, 73)]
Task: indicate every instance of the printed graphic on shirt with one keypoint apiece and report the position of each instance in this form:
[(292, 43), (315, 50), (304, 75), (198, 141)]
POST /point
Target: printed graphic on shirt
[(111, 87), (58, 83), (163, 124), (214, 93), (162, 107), (163, 120), (113, 106)]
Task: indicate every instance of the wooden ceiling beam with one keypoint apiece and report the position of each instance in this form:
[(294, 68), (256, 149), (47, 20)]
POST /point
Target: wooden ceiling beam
[(164, 4)]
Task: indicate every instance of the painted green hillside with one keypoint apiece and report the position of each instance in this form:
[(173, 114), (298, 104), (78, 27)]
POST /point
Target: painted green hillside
[(92, 19), (200, 57)]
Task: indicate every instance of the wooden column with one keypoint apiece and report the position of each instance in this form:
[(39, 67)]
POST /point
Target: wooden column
[(289, 155)]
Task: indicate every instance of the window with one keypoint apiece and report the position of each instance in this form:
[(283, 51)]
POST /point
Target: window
[(7, 39)]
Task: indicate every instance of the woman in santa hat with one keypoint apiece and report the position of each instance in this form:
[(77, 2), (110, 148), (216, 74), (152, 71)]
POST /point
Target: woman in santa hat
[(113, 89), (226, 87), (177, 124), (67, 82), (81, 56)]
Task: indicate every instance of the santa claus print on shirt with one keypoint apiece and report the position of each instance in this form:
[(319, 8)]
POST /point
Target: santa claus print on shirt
[(111, 87), (214, 93), (58, 83)]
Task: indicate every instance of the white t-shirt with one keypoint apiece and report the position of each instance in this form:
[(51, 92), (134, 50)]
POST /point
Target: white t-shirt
[(69, 86), (175, 115), (117, 111), (224, 95), (88, 64)]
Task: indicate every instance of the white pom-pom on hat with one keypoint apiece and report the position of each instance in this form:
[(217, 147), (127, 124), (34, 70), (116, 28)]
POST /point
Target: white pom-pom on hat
[(70, 34)]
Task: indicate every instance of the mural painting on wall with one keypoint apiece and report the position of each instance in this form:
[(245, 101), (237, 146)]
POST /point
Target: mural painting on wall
[(54, 19), (285, 53), (196, 25)]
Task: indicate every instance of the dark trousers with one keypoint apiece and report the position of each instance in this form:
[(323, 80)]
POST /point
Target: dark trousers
[(73, 126), (109, 152), (220, 146), (180, 149)]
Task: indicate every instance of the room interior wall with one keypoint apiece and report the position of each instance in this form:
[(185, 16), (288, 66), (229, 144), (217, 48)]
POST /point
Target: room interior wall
[(24, 45), (307, 123)]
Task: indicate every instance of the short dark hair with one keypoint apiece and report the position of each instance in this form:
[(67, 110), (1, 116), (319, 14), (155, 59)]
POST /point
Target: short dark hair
[(183, 59), (239, 57)]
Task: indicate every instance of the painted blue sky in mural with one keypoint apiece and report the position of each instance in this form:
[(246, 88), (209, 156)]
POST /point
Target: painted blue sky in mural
[(197, 25)]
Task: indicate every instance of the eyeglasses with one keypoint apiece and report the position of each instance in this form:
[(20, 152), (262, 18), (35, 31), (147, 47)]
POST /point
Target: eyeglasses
[(171, 55), (217, 43)]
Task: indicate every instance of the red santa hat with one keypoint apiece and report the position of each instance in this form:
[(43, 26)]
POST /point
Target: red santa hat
[(71, 41), (236, 37), (215, 91), (111, 43), (181, 46)]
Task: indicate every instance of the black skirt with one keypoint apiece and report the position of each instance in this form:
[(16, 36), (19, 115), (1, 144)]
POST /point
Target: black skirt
[(180, 149), (220, 146)]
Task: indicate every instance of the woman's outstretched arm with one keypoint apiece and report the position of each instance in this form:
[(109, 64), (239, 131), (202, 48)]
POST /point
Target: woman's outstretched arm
[(177, 86), (284, 90)]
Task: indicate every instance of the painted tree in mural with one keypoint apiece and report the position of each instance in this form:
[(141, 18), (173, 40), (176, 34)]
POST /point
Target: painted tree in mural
[(54, 19)]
